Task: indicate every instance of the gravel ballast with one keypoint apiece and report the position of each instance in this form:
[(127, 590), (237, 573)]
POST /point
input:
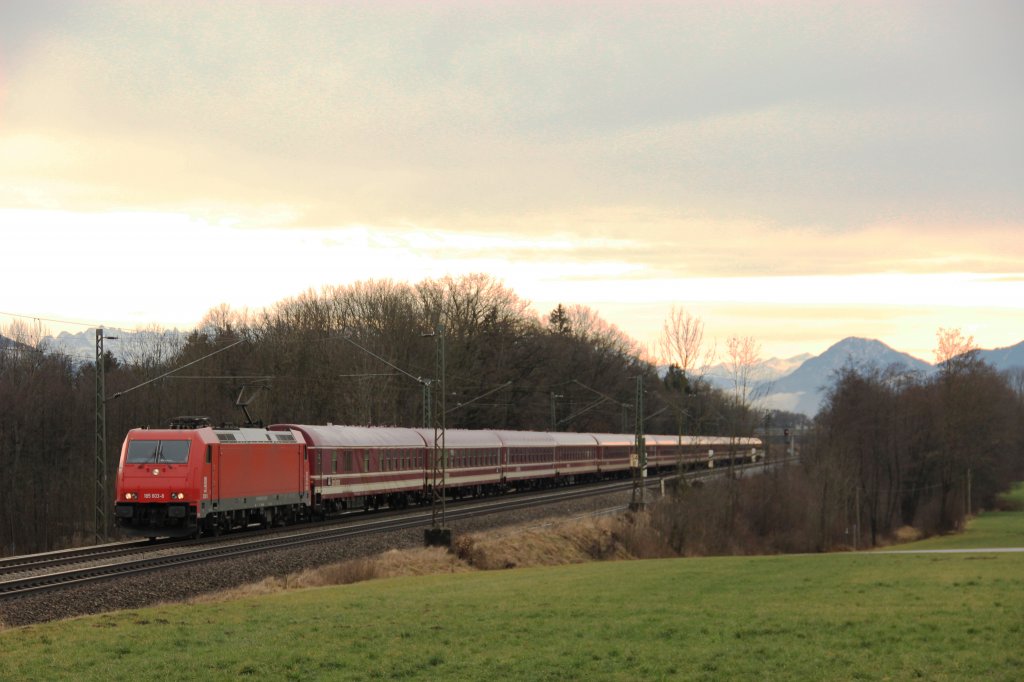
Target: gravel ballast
[(182, 583)]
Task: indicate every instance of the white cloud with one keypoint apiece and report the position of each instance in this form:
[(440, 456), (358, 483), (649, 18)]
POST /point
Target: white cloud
[(622, 156)]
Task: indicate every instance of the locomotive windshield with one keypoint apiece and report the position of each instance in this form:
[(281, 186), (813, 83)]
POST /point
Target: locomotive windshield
[(166, 451)]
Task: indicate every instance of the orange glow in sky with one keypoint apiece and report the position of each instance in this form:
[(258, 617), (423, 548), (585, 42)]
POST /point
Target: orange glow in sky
[(796, 172)]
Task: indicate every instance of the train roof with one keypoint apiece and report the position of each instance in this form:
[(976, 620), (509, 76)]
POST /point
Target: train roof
[(462, 438), (518, 439), (654, 439), (612, 439), (211, 435), (564, 438), (336, 436), (339, 436)]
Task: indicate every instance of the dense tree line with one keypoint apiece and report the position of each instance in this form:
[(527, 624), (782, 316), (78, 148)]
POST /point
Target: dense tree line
[(365, 353), (897, 449), (890, 449)]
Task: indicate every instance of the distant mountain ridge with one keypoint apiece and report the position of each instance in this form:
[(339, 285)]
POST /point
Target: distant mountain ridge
[(81, 346), (852, 350), (803, 390), (1004, 358)]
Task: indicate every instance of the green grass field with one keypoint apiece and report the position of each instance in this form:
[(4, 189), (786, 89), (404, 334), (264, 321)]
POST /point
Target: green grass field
[(994, 529), (837, 616)]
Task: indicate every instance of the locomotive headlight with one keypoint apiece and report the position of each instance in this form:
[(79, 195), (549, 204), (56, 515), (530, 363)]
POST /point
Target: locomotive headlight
[(177, 496), (131, 496)]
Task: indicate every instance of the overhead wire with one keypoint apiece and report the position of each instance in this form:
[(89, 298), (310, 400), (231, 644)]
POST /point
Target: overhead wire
[(177, 369), (47, 319)]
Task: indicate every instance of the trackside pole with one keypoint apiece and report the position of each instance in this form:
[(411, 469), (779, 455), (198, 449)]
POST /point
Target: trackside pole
[(439, 535), (638, 502)]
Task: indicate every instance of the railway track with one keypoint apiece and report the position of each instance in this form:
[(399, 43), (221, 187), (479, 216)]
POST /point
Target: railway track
[(115, 559), (64, 557)]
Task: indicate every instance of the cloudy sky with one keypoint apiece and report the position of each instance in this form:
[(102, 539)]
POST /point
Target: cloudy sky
[(798, 172)]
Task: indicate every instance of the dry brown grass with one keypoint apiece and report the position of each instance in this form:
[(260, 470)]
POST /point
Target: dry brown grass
[(569, 542), (392, 564), (564, 542), (907, 534)]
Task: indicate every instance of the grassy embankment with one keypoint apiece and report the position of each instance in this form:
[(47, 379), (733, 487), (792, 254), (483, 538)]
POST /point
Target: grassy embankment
[(996, 529), (850, 616)]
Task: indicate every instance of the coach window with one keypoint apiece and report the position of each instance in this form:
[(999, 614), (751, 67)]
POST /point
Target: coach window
[(334, 461), (366, 460)]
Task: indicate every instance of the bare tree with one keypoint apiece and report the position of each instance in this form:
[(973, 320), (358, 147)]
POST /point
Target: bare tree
[(743, 359), (1015, 376), (682, 344), (150, 347), (955, 350)]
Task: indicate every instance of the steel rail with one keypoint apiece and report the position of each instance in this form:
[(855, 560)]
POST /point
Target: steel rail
[(298, 536), (30, 562)]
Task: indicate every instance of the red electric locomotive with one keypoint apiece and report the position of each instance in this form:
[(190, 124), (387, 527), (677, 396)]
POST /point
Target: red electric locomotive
[(193, 478)]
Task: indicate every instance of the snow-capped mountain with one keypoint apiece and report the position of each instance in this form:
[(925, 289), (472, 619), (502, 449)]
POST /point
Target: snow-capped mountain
[(803, 389), (1004, 358), (128, 345), (768, 371)]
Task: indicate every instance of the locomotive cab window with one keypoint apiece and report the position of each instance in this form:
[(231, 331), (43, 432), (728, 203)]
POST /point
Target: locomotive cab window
[(154, 451), (174, 451)]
